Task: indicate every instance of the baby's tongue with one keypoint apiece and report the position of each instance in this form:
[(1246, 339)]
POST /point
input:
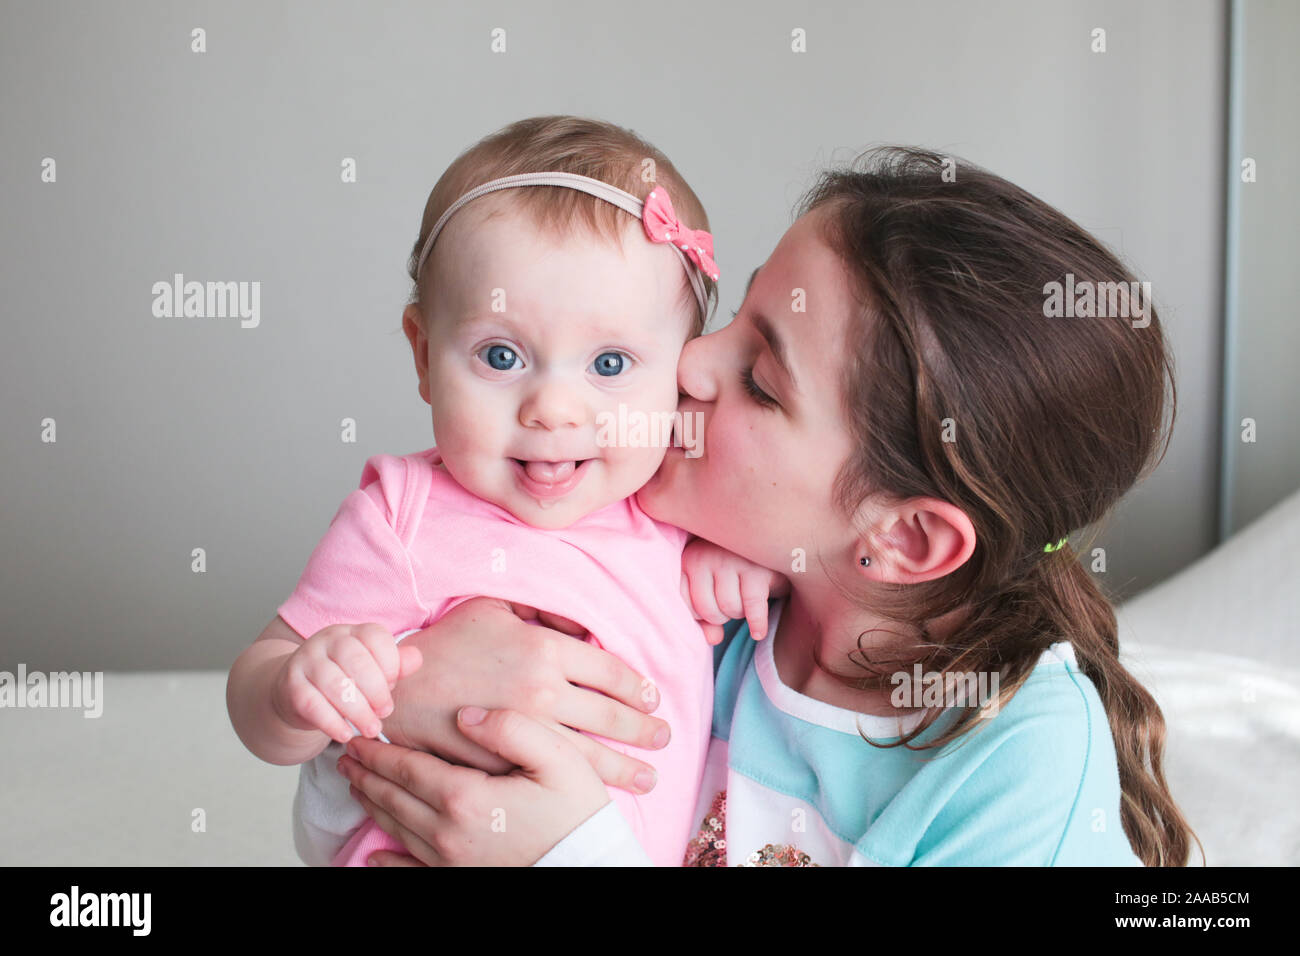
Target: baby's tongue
[(549, 472)]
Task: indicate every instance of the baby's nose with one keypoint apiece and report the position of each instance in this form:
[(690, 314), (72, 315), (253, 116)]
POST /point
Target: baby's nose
[(553, 405)]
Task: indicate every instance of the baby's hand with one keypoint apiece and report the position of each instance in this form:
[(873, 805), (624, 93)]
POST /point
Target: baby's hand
[(342, 672), (721, 586)]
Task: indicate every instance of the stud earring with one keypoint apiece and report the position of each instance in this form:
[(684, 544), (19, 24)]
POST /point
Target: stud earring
[(864, 561)]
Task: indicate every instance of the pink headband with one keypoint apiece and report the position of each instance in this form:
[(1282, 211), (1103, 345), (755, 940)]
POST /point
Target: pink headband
[(693, 246)]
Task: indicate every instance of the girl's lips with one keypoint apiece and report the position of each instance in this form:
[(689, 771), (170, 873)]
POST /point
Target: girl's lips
[(535, 488)]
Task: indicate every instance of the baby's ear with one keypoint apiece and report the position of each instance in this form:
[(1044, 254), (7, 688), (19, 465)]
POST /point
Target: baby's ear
[(413, 326), (920, 539)]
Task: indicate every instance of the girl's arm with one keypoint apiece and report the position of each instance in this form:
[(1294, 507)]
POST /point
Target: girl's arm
[(488, 650), (457, 816), (603, 839), (482, 652)]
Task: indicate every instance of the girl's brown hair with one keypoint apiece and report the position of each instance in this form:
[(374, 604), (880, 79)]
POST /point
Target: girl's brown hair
[(1053, 418), (569, 144)]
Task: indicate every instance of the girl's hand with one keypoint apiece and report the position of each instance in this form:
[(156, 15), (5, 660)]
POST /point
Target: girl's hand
[(342, 673), (482, 653), (457, 816), (721, 587)]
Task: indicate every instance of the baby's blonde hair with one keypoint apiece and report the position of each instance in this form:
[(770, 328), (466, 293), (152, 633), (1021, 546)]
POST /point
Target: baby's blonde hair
[(569, 144)]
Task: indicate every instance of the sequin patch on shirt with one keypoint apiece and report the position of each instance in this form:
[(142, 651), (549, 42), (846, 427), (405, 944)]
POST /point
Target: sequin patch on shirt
[(783, 855), (709, 847)]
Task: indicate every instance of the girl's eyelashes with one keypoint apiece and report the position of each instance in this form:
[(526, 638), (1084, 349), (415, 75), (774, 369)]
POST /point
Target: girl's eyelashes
[(500, 358), (756, 393), (751, 386)]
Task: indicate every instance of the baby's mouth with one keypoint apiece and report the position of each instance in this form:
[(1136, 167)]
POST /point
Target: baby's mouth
[(549, 472), (549, 481)]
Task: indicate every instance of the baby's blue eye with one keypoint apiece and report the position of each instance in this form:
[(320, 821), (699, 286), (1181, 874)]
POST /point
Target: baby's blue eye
[(501, 357), (608, 364)]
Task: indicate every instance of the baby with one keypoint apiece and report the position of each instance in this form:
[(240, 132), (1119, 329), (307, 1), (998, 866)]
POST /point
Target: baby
[(554, 290)]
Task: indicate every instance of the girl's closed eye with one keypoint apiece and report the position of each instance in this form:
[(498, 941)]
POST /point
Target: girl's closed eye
[(756, 393), (751, 387)]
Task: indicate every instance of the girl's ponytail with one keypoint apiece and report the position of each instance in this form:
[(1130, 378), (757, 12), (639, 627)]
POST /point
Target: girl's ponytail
[(1076, 607)]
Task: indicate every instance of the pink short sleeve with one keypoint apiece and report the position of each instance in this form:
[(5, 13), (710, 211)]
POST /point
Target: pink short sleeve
[(360, 571)]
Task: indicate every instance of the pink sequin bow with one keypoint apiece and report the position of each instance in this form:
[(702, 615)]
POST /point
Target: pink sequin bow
[(661, 225)]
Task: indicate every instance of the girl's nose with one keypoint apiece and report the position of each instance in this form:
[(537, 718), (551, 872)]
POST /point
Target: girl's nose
[(697, 367), (551, 405)]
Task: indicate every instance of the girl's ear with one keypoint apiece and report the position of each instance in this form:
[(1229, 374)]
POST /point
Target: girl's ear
[(413, 326), (921, 539)]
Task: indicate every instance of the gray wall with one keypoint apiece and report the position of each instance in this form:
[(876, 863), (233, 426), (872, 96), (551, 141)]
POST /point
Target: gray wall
[(1263, 341), (182, 433)]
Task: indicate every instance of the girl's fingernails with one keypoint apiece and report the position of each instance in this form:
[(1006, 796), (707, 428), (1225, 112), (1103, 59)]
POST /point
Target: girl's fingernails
[(645, 780), (352, 748), (661, 738), (472, 715)]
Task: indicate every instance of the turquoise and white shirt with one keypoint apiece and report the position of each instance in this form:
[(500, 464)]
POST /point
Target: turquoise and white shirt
[(789, 781)]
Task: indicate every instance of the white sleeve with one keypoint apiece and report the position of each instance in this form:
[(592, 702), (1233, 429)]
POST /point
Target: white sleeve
[(603, 839), (324, 813)]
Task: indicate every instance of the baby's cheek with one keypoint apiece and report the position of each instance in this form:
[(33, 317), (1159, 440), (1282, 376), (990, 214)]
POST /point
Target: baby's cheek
[(453, 437), (632, 465), (666, 391)]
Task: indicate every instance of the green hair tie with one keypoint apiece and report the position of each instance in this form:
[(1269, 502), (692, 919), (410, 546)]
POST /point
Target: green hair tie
[(1049, 548)]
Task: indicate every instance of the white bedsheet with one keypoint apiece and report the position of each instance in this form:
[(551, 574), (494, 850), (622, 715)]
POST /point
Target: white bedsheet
[(122, 789)]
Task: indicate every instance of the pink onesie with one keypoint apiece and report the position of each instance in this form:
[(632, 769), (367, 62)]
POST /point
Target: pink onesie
[(411, 543)]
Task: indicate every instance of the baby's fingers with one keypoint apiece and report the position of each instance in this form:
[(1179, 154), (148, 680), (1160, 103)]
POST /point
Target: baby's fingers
[(703, 599), (369, 680), (713, 633), (308, 703), (411, 659), (726, 592), (382, 648), (753, 595), (341, 690), (755, 613)]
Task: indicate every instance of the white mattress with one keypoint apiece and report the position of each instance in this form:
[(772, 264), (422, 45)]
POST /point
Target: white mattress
[(1232, 750), (122, 789)]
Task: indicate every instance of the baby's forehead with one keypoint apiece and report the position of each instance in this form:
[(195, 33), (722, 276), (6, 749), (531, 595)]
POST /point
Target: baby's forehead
[(553, 315), (512, 260)]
